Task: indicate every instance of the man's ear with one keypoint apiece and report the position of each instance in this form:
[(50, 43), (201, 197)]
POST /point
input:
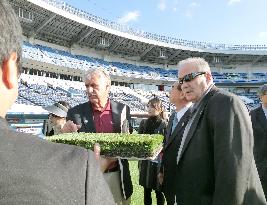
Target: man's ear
[(209, 77), (10, 71)]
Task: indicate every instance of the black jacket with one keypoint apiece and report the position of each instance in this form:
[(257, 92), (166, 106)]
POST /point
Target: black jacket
[(217, 165), (170, 149), (259, 124)]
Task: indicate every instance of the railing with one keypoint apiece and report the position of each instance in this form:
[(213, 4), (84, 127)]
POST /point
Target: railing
[(126, 29)]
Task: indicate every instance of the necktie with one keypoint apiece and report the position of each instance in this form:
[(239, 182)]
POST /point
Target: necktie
[(174, 122)]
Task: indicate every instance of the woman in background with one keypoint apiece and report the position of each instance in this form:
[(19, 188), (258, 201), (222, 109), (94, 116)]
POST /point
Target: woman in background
[(56, 118), (155, 124)]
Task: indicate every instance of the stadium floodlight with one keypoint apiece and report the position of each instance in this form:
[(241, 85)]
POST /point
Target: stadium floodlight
[(103, 42)]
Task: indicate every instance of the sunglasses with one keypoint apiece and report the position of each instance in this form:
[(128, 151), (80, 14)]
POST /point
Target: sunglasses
[(189, 77)]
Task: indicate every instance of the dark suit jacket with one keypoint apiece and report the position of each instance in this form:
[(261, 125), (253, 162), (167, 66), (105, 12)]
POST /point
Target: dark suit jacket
[(82, 115), (34, 171), (217, 164), (259, 124), (170, 150)]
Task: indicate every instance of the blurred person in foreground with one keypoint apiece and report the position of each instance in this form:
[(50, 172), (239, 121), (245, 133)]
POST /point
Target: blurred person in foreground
[(172, 140), (102, 115), (215, 162), (259, 124), (35, 171), (56, 118), (155, 124)]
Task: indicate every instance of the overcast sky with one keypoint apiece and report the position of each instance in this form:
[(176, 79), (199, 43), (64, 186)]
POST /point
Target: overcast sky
[(216, 21)]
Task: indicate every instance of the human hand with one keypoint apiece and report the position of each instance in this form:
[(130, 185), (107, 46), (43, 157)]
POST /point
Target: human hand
[(160, 178), (70, 126), (104, 162)]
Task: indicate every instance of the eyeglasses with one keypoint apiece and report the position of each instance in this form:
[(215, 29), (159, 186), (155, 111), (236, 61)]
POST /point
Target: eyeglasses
[(189, 77)]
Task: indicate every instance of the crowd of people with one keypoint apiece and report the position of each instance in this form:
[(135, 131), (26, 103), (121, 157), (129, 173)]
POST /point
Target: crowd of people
[(214, 150)]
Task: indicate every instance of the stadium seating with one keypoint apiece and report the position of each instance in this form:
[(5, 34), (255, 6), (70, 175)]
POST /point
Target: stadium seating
[(44, 91), (66, 59)]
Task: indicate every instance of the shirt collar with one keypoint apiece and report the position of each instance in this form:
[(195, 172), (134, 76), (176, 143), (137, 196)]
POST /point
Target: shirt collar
[(181, 112)]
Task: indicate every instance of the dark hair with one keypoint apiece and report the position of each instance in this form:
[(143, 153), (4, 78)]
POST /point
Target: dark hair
[(10, 33), (157, 104)]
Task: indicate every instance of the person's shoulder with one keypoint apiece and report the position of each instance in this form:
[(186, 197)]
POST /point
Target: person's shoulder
[(224, 100), (255, 110), (143, 121), (120, 104), (226, 96), (79, 106), (29, 144)]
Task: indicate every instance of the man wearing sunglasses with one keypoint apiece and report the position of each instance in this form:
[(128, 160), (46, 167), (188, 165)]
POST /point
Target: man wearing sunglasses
[(215, 163)]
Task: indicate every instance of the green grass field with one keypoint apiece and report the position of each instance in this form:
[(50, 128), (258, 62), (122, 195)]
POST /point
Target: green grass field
[(138, 191)]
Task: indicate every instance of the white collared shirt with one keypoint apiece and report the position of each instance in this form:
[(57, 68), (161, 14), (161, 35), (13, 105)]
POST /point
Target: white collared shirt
[(181, 112)]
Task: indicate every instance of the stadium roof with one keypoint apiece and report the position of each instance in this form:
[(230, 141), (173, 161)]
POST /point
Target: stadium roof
[(56, 22)]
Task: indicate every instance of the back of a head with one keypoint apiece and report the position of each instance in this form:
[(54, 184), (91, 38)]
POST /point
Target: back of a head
[(11, 32)]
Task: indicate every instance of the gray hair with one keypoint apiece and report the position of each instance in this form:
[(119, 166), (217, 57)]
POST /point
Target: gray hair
[(262, 90), (100, 72), (200, 63)]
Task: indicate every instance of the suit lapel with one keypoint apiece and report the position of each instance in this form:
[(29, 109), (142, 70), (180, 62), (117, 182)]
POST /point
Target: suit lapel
[(169, 129), (199, 113), (262, 119), (177, 131)]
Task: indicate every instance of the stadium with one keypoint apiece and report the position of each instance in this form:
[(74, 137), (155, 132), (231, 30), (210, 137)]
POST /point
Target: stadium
[(62, 42)]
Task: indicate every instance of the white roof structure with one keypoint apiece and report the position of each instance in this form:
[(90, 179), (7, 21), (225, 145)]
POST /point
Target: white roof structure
[(56, 22)]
